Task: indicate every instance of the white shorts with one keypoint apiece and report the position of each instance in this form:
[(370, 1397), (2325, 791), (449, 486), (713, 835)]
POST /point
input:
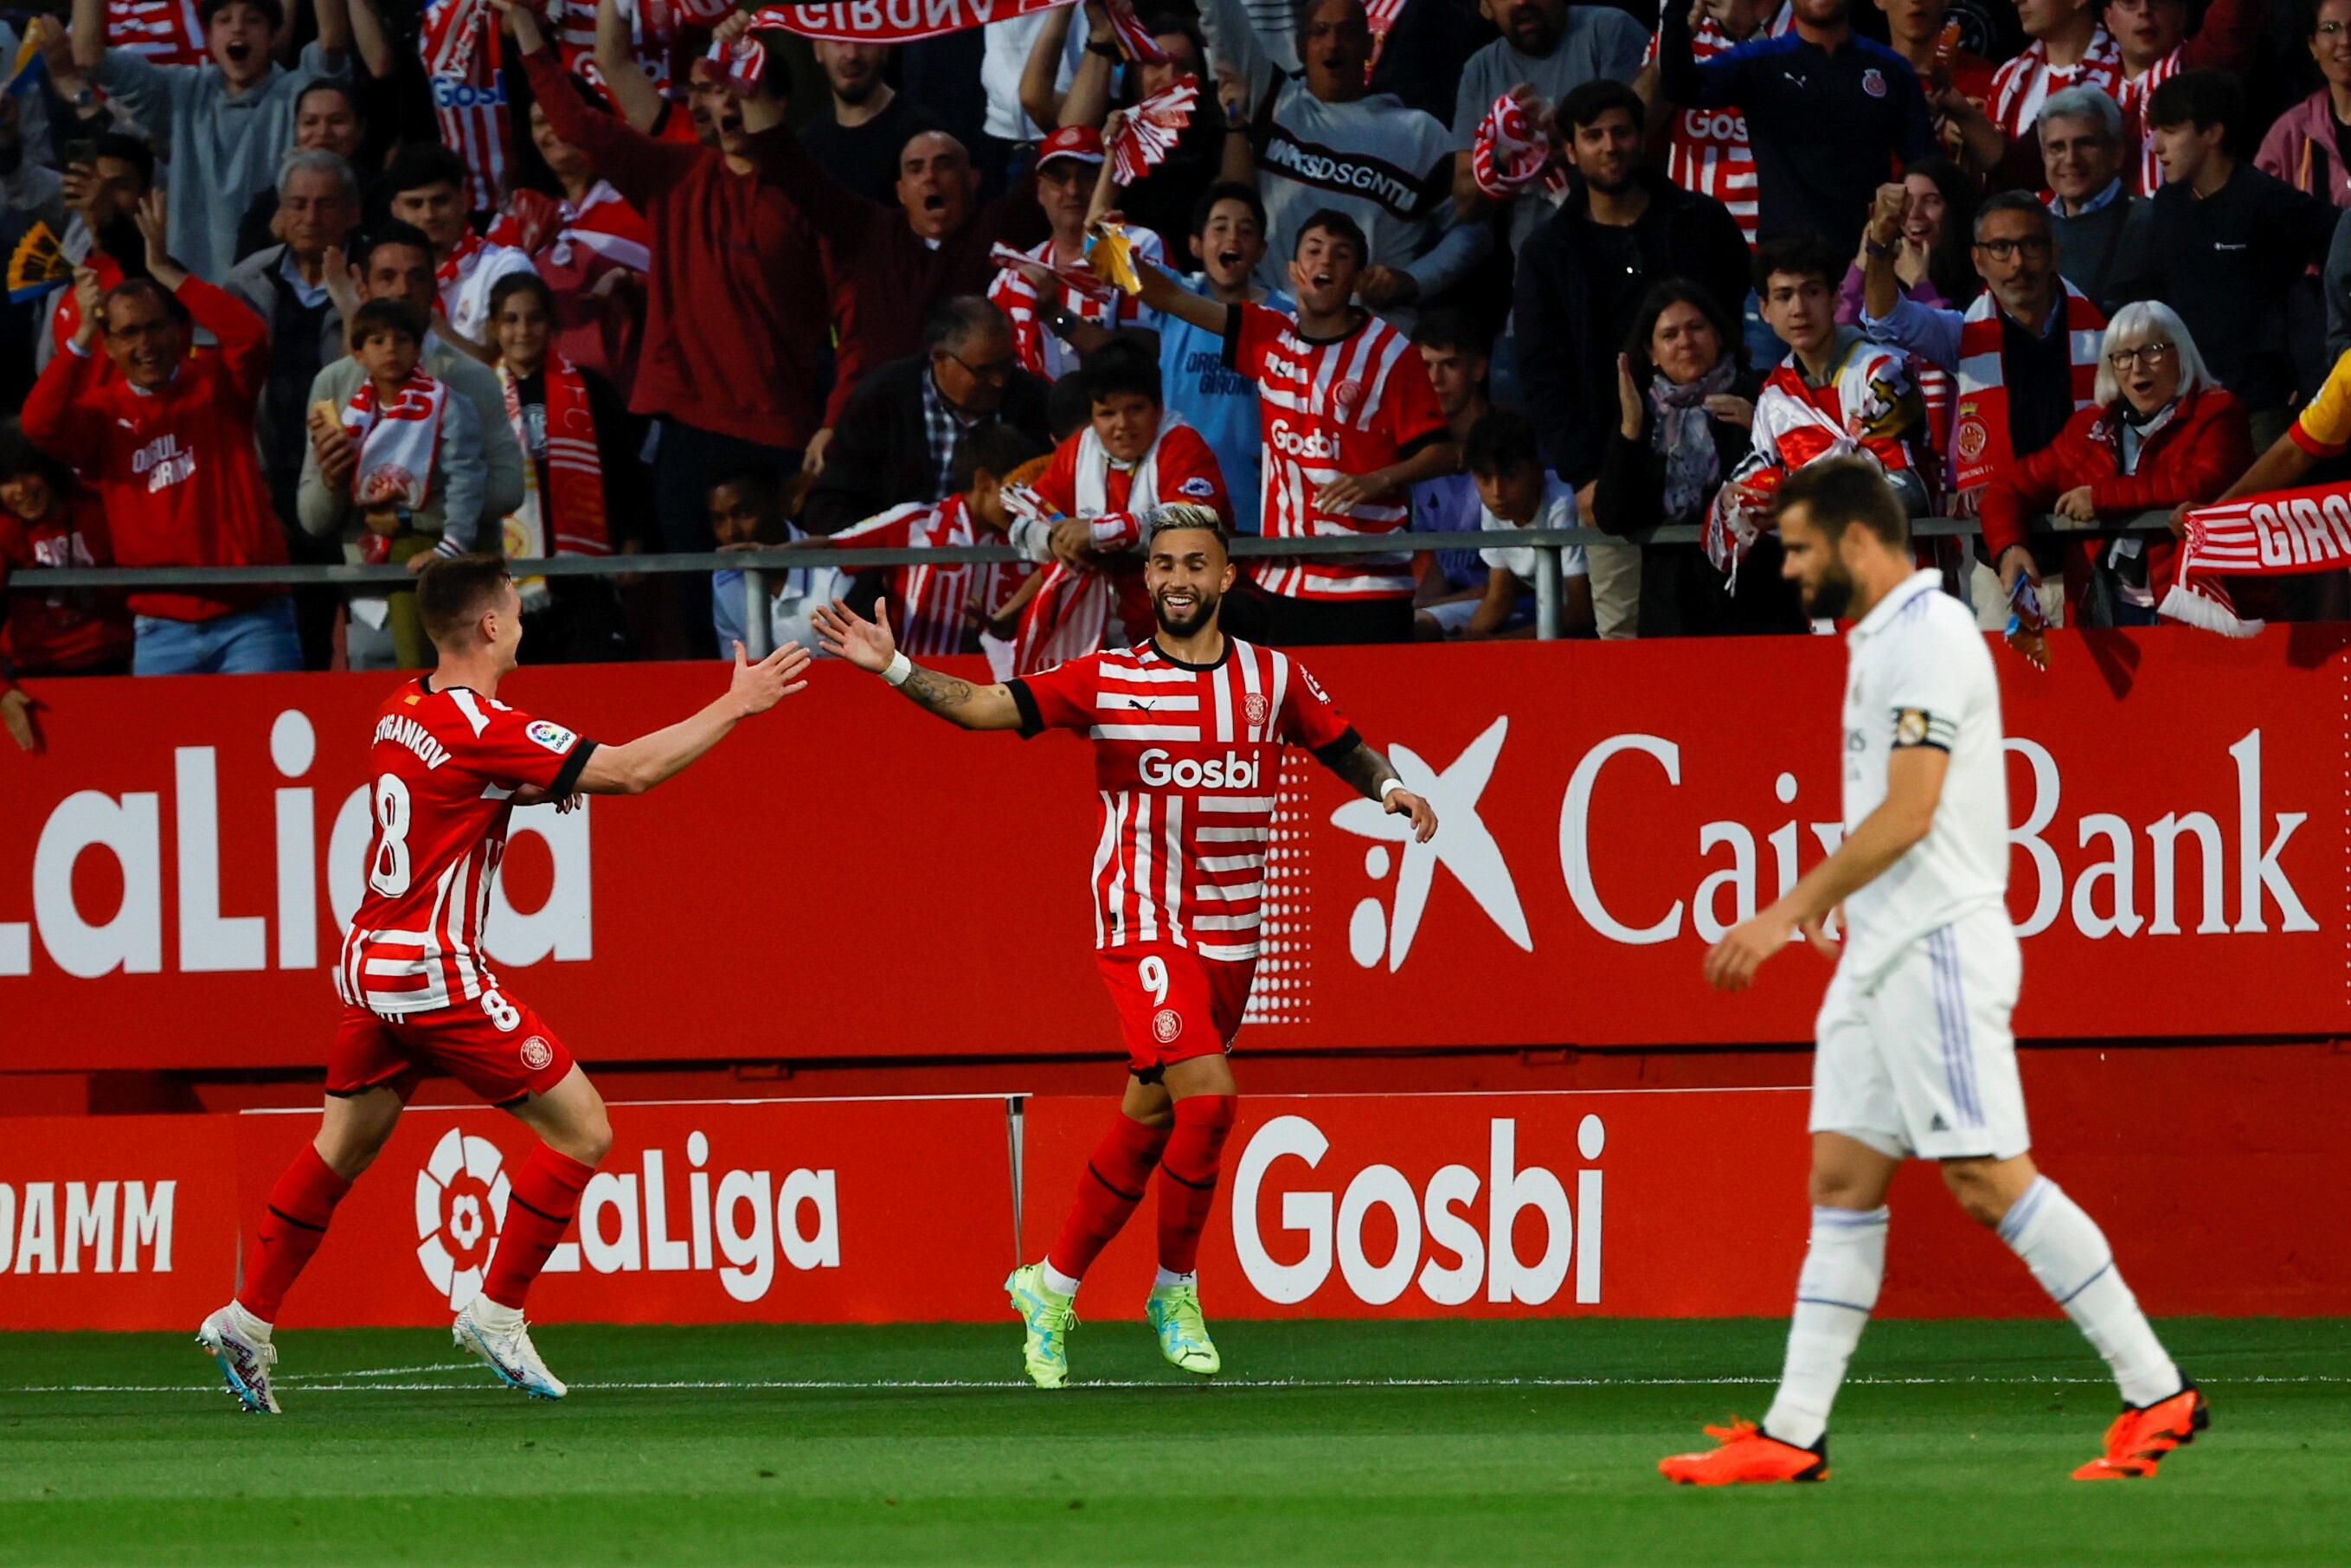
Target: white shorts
[(1924, 1063)]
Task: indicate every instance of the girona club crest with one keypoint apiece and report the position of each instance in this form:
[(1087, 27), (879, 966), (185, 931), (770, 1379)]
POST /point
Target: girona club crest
[(1165, 1025), (536, 1052), (461, 1202), (1254, 705), (1346, 396)]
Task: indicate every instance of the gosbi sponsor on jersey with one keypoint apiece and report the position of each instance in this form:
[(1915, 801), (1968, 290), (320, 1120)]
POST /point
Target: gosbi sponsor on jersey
[(1457, 1236), (1314, 444), (1230, 771), (736, 1224), (129, 827)]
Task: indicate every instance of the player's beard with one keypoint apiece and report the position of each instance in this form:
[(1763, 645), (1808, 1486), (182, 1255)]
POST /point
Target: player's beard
[(1827, 598), (1204, 614)]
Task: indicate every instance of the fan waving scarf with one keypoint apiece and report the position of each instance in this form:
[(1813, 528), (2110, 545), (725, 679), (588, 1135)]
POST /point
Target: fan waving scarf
[(2285, 531), (898, 21), (1509, 155), (1151, 130)]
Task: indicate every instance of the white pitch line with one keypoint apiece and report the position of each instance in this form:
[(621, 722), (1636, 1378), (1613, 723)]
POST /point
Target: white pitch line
[(818, 1385)]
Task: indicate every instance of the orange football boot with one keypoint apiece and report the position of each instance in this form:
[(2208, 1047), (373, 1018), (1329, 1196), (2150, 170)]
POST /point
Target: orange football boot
[(1747, 1455), (2142, 1434)]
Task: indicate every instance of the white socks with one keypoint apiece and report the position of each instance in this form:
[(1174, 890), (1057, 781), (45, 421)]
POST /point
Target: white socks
[(1060, 1284), (1844, 1266), (1166, 1279), (248, 1326), (2069, 1254), (493, 1314)]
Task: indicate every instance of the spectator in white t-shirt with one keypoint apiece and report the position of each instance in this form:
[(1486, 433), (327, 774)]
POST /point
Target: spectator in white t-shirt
[(1517, 490), (428, 184)]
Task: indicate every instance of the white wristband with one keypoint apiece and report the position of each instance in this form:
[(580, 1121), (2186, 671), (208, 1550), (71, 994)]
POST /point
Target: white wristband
[(1390, 787), (898, 670)]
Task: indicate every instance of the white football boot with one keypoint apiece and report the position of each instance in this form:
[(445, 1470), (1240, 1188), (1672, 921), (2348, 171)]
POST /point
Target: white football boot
[(244, 1357), (505, 1346)]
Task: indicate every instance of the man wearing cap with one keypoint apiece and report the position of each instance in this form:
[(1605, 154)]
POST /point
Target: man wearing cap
[(1052, 325)]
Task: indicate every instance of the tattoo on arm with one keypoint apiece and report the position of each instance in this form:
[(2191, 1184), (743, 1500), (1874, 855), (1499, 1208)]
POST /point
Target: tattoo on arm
[(1364, 768), (940, 693)]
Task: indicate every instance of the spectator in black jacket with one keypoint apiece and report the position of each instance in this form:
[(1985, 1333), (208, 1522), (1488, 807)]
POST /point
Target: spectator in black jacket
[(2230, 242), (1581, 275), (1684, 406), (897, 436)]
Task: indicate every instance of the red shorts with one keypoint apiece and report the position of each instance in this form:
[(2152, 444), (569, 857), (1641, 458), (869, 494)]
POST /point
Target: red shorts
[(1173, 1005), (496, 1047)]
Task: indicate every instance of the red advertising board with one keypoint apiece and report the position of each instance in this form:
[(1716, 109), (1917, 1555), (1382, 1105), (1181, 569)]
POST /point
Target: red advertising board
[(130, 1224), (750, 1211), (174, 870)]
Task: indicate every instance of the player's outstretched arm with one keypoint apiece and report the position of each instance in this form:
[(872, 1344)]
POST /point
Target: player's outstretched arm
[(1377, 779), (1914, 784), (648, 760), (868, 644)]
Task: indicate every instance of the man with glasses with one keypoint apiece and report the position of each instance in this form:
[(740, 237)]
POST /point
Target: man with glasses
[(2025, 354), (2102, 231), (896, 439)]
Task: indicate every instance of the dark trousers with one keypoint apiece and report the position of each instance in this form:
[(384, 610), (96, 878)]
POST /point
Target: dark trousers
[(1321, 623), (688, 462)]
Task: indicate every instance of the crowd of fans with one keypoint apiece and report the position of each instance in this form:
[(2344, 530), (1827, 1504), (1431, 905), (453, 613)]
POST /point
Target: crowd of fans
[(366, 280)]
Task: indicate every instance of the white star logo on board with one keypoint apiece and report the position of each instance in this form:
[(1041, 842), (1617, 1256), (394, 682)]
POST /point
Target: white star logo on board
[(1462, 846)]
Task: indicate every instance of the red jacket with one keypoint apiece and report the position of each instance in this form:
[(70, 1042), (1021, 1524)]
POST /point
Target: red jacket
[(2201, 451), (735, 335), (65, 630), (177, 469)]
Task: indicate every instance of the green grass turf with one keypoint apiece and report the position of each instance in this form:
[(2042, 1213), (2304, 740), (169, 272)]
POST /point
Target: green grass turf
[(1967, 1465)]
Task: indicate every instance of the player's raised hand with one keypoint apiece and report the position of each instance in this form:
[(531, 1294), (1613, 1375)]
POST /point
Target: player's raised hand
[(1731, 963), (1404, 803), (845, 634), (759, 687)]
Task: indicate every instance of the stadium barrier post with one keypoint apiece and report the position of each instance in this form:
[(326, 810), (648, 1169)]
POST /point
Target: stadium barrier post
[(758, 632), (1547, 586)]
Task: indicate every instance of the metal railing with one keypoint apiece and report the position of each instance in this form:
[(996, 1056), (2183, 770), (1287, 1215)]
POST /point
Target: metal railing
[(760, 567)]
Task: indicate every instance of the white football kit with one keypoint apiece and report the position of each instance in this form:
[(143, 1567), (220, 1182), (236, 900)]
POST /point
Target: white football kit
[(1915, 1054)]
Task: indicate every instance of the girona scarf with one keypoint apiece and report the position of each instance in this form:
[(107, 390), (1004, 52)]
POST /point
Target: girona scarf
[(1683, 434), (1073, 612), (2275, 534), (398, 441), (574, 523), (1979, 446)]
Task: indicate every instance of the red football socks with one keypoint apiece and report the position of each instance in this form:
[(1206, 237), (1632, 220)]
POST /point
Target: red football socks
[(1188, 1178), (293, 1224), (539, 1207), (1114, 1184)]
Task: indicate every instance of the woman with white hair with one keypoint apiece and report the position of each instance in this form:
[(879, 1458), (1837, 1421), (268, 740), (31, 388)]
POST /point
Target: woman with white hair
[(2160, 432)]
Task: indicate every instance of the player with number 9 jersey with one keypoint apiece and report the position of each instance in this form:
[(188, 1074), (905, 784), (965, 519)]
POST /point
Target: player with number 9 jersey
[(447, 764), (1188, 731)]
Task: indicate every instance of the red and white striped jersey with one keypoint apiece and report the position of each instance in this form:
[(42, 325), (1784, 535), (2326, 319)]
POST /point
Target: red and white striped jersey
[(934, 600), (1707, 149), (2021, 86), (1187, 759), (161, 32), (443, 766), (459, 43), (1040, 352), (1344, 405), (2144, 175)]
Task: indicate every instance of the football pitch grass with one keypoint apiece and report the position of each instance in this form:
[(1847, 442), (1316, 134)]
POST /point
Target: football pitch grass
[(1326, 1442)]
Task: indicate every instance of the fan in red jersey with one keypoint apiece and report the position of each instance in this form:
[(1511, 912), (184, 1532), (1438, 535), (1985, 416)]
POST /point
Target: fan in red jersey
[(449, 763), (1351, 425), (1188, 731)]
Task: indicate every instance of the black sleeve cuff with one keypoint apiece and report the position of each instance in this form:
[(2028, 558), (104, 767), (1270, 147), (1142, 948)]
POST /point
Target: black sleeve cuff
[(1031, 721), (567, 777), (1339, 750), (1233, 314)]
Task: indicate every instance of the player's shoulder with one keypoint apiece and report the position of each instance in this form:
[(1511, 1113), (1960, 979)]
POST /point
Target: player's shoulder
[(1930, 625)]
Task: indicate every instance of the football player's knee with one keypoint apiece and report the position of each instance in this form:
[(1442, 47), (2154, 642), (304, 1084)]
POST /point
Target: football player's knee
[(592, 1139), (1979, 1196)]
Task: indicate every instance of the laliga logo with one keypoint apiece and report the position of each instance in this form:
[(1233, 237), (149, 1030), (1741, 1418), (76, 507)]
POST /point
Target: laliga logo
[(461, 1204), (1442, 1218), (1462, 845)]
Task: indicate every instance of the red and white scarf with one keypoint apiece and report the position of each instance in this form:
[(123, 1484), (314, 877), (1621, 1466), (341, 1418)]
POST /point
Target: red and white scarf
[(398, 441), (2273, 535), (862, 22), (575, 471), (601, 222), (1089, 298), (1509, 154), (1074, 611), (1151, 130), (1142, 46), (1980, 427)]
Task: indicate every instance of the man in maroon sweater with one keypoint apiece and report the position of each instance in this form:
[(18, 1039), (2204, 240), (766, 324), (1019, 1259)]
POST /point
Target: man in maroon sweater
[(895, 262), (735, 352)]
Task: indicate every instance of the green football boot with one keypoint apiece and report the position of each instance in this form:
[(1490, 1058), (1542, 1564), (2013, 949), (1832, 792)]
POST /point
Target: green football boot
[(1174, 1315), (1047, 1316)]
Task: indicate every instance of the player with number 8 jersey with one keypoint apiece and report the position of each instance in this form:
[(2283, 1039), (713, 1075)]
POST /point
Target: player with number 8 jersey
[(448, 763), (1188, 731)]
